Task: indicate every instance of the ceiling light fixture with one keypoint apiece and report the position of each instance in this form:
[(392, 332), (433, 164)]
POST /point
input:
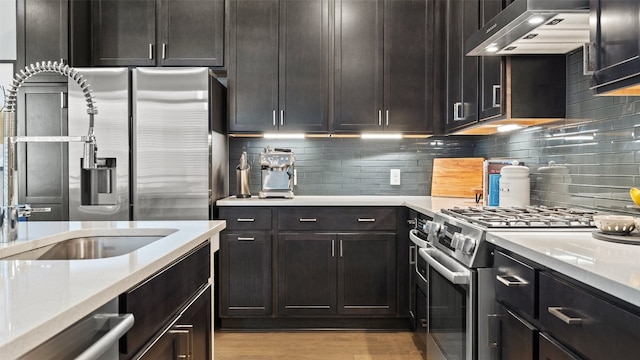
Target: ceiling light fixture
[(508, 127), (282, 136), (536, 20), (380, 136)]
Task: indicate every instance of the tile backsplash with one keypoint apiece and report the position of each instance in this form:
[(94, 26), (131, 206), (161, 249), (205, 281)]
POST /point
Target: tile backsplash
[(598, 144), (342, 166)]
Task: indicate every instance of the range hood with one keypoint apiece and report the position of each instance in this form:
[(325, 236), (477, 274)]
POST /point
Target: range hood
[(533, 27)]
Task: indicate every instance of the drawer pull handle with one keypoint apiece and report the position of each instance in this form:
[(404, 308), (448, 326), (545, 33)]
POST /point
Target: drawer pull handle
[(246, 238), (511, 280), (558, 312), (308, 219), (246, 220), (366, 219)]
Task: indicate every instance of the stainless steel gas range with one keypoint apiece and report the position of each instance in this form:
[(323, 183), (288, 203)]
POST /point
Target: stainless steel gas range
[(455, 263)]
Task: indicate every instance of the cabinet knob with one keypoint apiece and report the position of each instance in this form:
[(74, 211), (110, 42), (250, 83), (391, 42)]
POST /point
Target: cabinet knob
[(150, 51)]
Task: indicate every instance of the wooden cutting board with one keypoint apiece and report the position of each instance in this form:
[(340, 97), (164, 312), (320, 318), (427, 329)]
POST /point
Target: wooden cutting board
[(456, 177)]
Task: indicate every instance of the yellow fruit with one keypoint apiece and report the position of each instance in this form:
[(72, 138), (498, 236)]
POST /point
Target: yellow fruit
[(635, 195)]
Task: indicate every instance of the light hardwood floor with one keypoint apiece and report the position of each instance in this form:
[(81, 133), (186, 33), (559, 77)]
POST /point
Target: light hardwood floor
[(315, 345)]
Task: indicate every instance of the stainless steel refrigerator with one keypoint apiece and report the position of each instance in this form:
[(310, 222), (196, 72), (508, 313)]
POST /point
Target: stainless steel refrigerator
[(164, 156)]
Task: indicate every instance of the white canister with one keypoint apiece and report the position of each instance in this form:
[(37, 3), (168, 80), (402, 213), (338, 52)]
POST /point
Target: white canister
[(514, 186)]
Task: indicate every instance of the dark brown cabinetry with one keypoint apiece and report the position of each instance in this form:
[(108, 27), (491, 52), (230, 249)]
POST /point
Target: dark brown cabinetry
[(157, 32), (42, 31), (328, 271), (383, 72), (615, 47), (245, 263), (189, 337), (461, 70), (588, 324), (548, 316), (172, 311), (307, 274), (43, 169), (328, 263), (329, 274), (279, 65)]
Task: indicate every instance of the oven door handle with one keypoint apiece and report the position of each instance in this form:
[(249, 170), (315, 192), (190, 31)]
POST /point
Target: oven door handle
[(416, 240), (445, 266)]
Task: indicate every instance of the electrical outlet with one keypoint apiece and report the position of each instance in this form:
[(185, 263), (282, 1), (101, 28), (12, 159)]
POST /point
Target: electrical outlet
[(395, 177)]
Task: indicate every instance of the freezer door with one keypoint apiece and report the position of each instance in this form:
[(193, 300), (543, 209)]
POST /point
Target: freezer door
[(101, 194), (171, 156)]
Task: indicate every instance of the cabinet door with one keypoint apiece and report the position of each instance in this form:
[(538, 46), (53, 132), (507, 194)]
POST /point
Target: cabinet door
[(551, 350), (245, 274), (358, 65), (306, 274), (617, 63), (491, 72), (462, 71), (124, 32), (516, 337), (191, 32), (366, 273), (304, 65), (43, 168), (42, 30), (253, 65), (189, 338), (408, 77)]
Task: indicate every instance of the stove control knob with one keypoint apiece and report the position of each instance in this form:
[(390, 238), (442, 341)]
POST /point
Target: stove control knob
[(432, 227), (469, 246), (458, 241)]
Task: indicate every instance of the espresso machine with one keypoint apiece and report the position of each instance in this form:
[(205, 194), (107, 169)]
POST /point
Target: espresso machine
[(277, 173)]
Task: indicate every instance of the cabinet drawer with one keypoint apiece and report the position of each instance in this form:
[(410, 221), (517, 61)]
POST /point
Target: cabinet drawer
[(247, 218), (156, 300), (591, 326), (337, 219), (515, 284)]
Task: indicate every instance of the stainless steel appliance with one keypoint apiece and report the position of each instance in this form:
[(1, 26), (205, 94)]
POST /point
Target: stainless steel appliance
[(163, 158), (460, 293), (533, 27), (418, 279), (93, 338), (277, 173)]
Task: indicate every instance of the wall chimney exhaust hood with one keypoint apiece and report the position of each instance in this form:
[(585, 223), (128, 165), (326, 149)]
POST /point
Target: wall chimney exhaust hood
[(533, 27)]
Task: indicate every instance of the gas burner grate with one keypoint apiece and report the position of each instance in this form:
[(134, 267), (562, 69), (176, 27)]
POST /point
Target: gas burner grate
[(525, 217)]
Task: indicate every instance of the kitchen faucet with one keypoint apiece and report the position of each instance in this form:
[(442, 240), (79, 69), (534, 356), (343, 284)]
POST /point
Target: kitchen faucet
[(11, 210)]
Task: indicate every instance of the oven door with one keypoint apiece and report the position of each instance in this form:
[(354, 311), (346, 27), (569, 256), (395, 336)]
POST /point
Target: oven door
[(450, 307)]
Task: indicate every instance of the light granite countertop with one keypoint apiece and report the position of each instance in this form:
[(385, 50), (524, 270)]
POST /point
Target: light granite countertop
[(424, 204), (610, 267), (40, 298)]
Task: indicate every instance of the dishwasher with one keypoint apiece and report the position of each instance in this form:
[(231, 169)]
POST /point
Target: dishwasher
[(95, 337)]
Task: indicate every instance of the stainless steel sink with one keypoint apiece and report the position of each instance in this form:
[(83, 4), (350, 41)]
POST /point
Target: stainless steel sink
[(94, 247)]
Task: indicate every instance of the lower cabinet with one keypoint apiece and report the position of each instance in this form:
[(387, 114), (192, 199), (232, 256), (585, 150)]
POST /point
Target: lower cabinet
[(546, 315), (308, 266), (514, 337), (189, 337), (172, 311), (328, 274), (245, 274)]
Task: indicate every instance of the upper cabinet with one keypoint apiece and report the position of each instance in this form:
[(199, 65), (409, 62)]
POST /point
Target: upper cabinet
[(42, 30), (491, 72), (157, 32), (462, 71), (383, 66), (279, 65), (486, 93), (615, 54)]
